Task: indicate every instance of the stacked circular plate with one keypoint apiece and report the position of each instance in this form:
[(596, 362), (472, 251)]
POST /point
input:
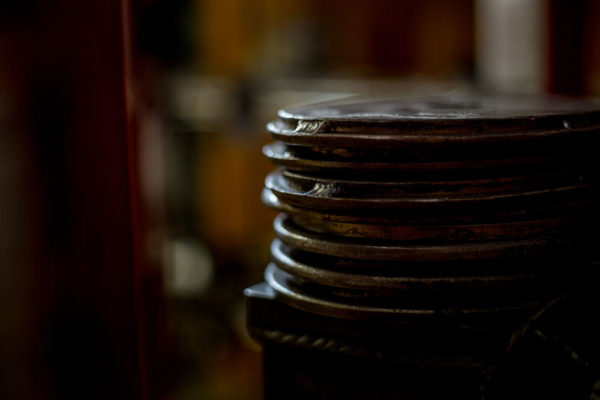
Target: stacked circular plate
[(457, 205)]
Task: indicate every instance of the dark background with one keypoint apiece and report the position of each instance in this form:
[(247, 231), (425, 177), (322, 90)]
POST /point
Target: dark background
[(131, 169)]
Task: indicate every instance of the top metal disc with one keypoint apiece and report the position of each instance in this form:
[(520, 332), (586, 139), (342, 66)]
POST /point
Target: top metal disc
[(451, 118), (445, 107)]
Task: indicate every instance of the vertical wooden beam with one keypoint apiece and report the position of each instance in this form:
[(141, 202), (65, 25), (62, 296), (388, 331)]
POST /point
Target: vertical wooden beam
[(72, 110)]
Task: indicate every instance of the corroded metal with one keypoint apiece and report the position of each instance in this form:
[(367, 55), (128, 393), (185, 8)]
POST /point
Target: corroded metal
[(450, 215)]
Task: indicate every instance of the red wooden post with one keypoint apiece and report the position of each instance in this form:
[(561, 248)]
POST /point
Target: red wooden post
[(71, 113)]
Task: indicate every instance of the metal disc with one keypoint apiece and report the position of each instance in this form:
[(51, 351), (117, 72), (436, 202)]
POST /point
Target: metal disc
[(281, 282), (452, 118), (373, 250), (385, 284), (332, 197), (573, 209), (290, 157)]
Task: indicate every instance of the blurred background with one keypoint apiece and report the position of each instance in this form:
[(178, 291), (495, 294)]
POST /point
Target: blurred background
[(131, 165)]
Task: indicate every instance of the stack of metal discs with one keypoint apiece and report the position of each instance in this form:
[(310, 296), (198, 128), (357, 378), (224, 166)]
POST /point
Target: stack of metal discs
[(460, 207)]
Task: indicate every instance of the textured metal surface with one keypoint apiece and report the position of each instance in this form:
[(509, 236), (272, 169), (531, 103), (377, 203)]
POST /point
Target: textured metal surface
[(451, 110), (459, 178), (441, 215), (502, 158), (374, 250), (344, 195)]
